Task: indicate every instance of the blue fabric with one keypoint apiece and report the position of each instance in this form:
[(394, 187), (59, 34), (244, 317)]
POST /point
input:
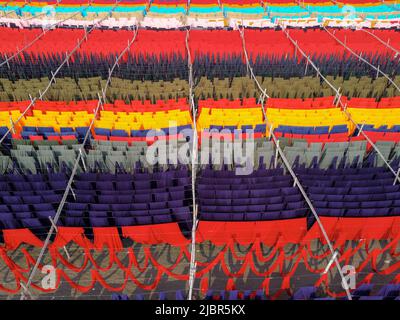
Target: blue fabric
[(204, 10), (380, 11)]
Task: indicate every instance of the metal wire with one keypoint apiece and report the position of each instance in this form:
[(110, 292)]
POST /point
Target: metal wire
[(381, 41), (343, 107), (192, 272), (292, 173), (12, 11), (53, 77), (37, 38), (65, 195), (362, 59)]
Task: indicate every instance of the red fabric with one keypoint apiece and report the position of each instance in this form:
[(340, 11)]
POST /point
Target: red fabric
[(35, 138), (319, 41), (72, 137), (107, 237), (380, 229), (391, 102), (230, 285), (218, 42), (16, 136), (229, 104), (100, 42), (363, 228), (13, 238), (341, 229), (54, 138), (309, 103), (329, 224), (397, 279), (204, 285), (167, 270), (204, 2), (156, 234), (362, 103), (272, 233), (99, 137), (244, 233), (240, 2), (66, 235), (90, 105)]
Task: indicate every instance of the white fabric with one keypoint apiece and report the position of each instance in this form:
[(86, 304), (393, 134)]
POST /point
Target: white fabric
[(254, 23), (200, 22), (205, 23), (161, 23), (300, 23)]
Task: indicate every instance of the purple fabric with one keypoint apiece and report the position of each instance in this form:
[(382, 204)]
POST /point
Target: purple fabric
[(139, 213), (42, 207), (159, 211), (124, 221), (19, 207), (390, 290), (363, 290), (142, 198), (140, 206), (157, 205), (24, 215), (74, 213), (99, 207), (32, 223), (371, 298), (74, 222), (83, 185), (77, 206), (305, 293), (98, 221), (104, 185), (116, 214), (95, 214), (45, 215), (124, 185), (175, 204), (107, 199), (3, 208), (121, 207), (56, 198), (12, 200), (142, 220), (162, 218), (8, 221)]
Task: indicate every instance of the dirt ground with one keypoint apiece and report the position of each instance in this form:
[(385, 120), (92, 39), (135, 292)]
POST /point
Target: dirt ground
[(166, 255)]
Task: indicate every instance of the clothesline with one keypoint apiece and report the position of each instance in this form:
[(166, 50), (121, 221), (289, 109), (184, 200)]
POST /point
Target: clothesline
[(263, 95), (67, 191), (52, 80)]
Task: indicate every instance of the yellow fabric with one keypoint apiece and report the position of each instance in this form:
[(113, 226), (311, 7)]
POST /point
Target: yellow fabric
[(208, 116), (300, 117), (146, 120), (377, 117), (107, 119), (229, 117)]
